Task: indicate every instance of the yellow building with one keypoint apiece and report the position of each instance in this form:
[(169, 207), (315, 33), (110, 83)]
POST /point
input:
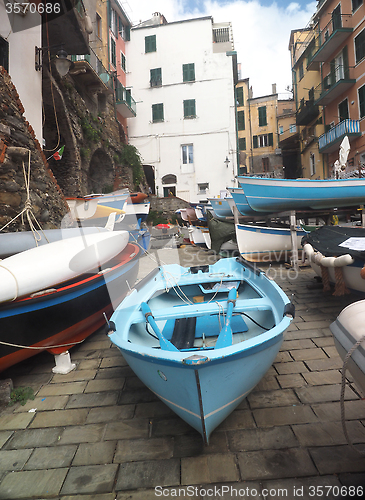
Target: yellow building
[(309, 119), (257, 132), (288, 138)]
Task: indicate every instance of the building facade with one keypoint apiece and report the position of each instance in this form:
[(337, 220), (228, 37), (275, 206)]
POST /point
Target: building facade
[(185, 130), (336, 52)]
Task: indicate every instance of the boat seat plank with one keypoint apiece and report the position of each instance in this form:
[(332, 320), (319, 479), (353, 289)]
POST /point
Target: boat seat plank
[(183, 335)]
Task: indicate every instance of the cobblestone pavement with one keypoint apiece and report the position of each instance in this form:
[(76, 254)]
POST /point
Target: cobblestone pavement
[(98, 434)]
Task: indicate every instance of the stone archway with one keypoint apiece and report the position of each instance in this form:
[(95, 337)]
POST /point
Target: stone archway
[(101, 173)]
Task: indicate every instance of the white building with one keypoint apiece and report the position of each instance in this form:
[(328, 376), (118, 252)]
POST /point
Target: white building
[(20, 33), (182, 76)]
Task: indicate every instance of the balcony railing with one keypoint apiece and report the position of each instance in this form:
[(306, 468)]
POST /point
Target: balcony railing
[(330, 141), (339, 80), (330, 38), (95, 65), (125, 103), (307, 112)]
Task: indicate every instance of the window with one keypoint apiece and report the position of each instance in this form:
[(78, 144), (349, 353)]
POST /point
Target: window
[(356, 4), (241, 120), (312, 164), (360, 46), (150, 43), (262, 116), (189, 108), (155, 77), (98, 27), (281, 130), (187, 154), (122, 62), (242, 143), (265, 164), (343, 110), (113, 22), (240, 101), (189, 72), (292, 128), (157, 113), (113, 57), (361, 93), (263, 141), (300, 71), (203, 187)]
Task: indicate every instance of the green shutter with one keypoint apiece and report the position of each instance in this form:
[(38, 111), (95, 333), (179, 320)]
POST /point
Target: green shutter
[(242, 143), (113, 52), (189, 72), (262, 116), (127, 33), (255, 141), (155, 77), (189, 108), (345, 62), (150, 43), (332, 72), (271, 139), (239, 91), (157, 112), (241, 120), (362, 101)]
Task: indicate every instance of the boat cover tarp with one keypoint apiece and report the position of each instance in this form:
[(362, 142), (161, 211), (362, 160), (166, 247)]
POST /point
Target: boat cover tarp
[(327, 240), (220, 232)]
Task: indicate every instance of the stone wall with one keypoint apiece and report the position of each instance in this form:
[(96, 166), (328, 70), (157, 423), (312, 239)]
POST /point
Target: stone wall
[(17, 140)]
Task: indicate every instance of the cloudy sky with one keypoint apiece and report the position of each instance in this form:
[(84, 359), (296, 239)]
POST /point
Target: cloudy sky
[(261, 31)]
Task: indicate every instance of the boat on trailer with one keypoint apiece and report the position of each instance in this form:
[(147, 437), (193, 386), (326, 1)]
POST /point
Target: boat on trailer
[(201, 338)]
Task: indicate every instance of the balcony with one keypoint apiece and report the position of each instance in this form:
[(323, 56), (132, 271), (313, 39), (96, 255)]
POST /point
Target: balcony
[(330, 38), (125, 103), (89, 71), (330, 141), (338, 81), (307, 112), (222, 37)]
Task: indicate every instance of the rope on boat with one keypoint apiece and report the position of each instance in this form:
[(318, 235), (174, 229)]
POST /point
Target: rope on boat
[(342, 399), (16, 282), (325, 279), (340, 286)]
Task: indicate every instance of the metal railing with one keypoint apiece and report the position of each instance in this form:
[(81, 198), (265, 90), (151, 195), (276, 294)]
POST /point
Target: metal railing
[(341, 129), (96, 65), (337, 22), (122, 95), (338, 74)]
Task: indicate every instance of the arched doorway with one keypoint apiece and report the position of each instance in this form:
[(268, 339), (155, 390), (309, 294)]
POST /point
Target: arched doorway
[(101, 173), (169, 185)]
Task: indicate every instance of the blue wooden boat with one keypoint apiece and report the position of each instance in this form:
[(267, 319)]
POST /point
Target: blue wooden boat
[(277, 195), (222, 207), (241, 202), (201, 338)]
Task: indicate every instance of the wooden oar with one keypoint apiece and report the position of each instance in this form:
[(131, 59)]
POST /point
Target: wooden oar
[(225, 337), (164, 343)]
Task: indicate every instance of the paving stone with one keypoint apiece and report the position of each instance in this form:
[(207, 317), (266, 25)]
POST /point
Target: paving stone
[(323, 393), (28, 484), (44, 403), (13, 459), (13, 421), (129, 450), (110, 414), (74, 376), (95, 453), (269, 417), (208, 469), (324, 341), (239, 419), (284, 397), (62, 389), (34, 438), (148, 474), (112, 361), (92, 399), (268, 383), (261, 439), (309, 325), (82, 434), (331, 351), (171, 427), (4, 437), (275, 464), (90, 479), (153, 409), (127, 429), (135, 397), (51, 457), (190, 445), (115, 372), (102, 385), (59, 418), (326, 377), (289, 345), (290, 368), (177, 492), (328, 433), (328, 412), (291, 381), (88, 364), (337, 459), (246, 490), (305, 354), (324, 364)]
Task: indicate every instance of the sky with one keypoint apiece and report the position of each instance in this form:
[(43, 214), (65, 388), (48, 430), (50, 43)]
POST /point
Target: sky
[(261, 32)]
